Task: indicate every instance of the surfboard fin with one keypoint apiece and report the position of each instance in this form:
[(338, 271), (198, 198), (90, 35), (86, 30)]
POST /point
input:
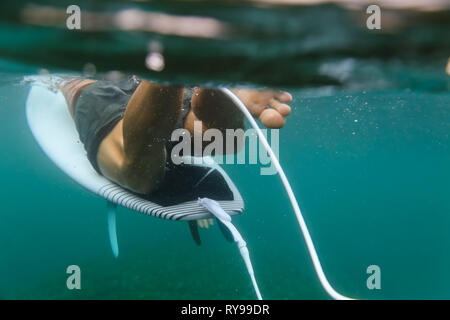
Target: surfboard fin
[(112, 230), (225, 232), (194, 231)]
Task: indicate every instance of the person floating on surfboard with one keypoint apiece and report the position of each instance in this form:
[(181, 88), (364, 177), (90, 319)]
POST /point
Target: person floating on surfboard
[(126, 125)]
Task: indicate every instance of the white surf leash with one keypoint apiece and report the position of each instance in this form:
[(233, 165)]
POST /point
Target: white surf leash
[(215, 208), (301, 221)]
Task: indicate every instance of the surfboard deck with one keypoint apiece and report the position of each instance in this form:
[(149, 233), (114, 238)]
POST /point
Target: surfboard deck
[(55, 132)]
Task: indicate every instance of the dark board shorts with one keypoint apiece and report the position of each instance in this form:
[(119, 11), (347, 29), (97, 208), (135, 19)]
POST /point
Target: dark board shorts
[(102, 105)]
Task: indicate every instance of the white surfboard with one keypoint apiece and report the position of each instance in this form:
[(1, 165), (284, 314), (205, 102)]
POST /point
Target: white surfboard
[(54, 129)]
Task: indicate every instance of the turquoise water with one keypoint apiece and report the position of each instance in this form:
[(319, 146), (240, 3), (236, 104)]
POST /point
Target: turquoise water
[(379, 196), (366, 152)]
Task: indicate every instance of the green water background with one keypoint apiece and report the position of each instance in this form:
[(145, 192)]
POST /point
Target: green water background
[(368, 163), (373, 192)]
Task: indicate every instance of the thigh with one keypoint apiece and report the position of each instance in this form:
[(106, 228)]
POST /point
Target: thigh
[(111, 156)]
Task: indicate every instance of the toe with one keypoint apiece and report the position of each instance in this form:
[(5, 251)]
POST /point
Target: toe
[(282, 108), (284, 96), (272, 119)]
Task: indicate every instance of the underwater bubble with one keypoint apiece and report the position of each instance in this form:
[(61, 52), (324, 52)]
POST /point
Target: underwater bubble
[(89, 70), (155, 61), (155, 46)]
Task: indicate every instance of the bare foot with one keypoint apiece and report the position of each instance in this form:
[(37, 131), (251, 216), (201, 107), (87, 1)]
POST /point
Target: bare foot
[(269, 106)]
